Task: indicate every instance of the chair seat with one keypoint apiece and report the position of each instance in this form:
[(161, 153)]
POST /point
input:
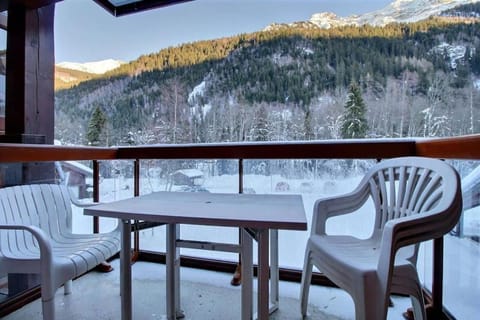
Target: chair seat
[(342, 250)]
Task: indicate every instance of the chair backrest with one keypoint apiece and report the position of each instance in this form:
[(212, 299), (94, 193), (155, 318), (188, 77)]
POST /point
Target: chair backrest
[(46, 206), (408, 186)]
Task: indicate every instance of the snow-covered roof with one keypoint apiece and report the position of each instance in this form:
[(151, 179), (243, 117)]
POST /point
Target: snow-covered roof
[(472, 178), (471, 188), (78, 167), (191, 173)]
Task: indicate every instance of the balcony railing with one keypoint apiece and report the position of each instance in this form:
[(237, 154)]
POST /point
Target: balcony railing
[(464, 148)]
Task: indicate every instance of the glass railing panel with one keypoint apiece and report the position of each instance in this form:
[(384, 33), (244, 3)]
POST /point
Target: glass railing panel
[(219, 176), (461, 287), (312, 179), (116, 183)]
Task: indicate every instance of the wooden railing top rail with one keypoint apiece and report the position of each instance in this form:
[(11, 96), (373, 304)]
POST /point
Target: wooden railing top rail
[(331, 149), (465, 147), (11, 152), (328, 149)]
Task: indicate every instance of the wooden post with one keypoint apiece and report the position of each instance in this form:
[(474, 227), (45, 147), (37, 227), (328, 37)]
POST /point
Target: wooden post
[(30, 74), (29, 99)]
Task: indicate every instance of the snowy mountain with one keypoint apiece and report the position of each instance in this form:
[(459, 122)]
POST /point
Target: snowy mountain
[(398, 11), (96, 67)]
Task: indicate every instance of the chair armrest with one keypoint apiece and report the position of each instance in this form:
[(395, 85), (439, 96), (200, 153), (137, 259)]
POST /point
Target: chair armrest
[(80, 204), (83, 205), (338, 205), (41, 237)]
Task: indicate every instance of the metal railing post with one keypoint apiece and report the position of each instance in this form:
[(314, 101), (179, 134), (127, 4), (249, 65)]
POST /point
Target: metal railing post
[(437, 284), (237, 276), (96, 193), (136, 193)]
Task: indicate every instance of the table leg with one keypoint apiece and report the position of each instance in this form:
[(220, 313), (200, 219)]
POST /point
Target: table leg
[(274, 273), (126, 271), (179, 314), (173, 273), (247, 275), (263, 274)]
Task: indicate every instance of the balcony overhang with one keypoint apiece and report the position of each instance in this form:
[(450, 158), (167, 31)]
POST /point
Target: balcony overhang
[(123, 7), (115, 7)]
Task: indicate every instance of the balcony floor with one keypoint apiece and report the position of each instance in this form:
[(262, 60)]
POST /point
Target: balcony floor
[(204, 294)]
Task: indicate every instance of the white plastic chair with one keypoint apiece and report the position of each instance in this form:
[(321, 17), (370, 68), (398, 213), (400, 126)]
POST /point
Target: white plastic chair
[(36, 237), (416, 199)]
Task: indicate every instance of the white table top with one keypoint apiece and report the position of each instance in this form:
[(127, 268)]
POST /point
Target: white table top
[(202, 208)]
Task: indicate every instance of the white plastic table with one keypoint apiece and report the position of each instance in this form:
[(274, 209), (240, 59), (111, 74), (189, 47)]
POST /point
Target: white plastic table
[(259, 217)]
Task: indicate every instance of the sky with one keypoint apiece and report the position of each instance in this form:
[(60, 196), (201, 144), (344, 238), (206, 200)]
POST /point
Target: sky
[(85, 32)]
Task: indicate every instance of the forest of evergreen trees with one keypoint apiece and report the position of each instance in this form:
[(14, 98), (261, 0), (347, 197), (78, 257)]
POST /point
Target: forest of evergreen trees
[(290, 83)]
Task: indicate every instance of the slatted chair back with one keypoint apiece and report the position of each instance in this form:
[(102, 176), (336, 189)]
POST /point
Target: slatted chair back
[(403, 191)]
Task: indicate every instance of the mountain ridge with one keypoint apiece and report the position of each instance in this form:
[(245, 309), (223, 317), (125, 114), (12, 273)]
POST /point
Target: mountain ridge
[(399, 11), (94, 67), (396, 11)]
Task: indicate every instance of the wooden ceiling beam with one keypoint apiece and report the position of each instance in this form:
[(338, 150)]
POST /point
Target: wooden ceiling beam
[(30, 4), (116, 11)]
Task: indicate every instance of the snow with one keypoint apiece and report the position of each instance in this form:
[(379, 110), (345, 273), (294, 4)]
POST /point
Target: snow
[(199, 91), (196, 93), (472, 178), (476, 84), (308, 50), (96, 67), (455, 52), (461, 254), (191, 173), (397, 11), (81, 167)]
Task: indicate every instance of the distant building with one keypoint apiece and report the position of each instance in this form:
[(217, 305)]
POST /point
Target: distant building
[(471, 189), (75, 174), (189, 178)]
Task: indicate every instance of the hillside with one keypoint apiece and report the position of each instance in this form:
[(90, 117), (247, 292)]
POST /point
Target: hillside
[(69, 74), (66, 78), (289, 84)]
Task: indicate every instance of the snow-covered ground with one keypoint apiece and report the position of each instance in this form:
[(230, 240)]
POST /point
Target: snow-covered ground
[(462, 255)]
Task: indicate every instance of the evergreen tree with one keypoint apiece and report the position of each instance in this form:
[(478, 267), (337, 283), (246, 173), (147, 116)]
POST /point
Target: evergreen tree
[(261, 129), (96, 135), (423, 83), (309, 134), (354, 122), (475, 61), (462, 74)]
